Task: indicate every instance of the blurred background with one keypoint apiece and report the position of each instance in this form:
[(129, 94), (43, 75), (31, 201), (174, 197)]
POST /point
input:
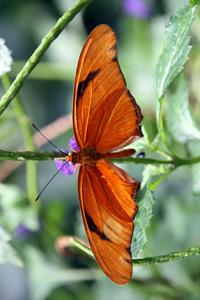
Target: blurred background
[(47, 98)]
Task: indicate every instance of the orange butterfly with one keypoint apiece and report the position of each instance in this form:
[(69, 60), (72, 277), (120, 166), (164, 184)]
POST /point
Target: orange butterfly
[(105, 118)]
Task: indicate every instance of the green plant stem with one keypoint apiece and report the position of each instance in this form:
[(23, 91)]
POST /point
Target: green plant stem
[(176, 161), (168, 257), (36, 56), (155, 183), (30, 155), (23, 121), (75, 244)]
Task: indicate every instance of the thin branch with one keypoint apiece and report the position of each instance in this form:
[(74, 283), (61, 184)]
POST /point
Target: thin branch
[(74, 245), (29, 155), (168, 257), (41, 49), (176, 161)]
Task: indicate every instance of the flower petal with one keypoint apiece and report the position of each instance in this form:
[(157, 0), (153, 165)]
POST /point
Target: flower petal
[(22, 231), (66, 167), (73, 144), (137, 8)]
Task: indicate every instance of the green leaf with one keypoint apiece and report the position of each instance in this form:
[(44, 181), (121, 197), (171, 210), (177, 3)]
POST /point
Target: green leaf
[(151, 171), (144, 144), (194, 2), (155, 183), (142, 221), (176, 48), (172, 59), (38, 265), (12, 212), (179, 119), (55, 274), (7, 252)]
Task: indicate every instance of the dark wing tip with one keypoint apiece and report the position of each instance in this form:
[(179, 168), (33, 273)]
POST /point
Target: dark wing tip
[(139, 115)]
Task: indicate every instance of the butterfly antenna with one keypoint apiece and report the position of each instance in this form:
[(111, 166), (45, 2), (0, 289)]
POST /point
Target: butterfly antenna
[(50, 180), (46, 138)]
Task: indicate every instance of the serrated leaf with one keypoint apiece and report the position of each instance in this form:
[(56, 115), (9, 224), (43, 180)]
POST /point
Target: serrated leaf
[(180, 122), (7, 252), (142, 221), (176, 48)]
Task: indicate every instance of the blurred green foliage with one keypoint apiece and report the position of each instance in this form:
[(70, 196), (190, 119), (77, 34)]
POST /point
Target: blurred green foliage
[(151, 58)]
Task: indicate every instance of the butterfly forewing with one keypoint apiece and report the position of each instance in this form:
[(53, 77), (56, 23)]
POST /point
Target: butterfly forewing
[(103, 106)]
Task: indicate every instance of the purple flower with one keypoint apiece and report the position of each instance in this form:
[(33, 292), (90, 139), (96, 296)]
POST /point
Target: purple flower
[(138, 8), (22, 231), (73, 145), (64, 166)]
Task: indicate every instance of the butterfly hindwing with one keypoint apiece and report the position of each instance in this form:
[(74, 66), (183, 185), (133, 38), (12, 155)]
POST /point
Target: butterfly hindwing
[(106, 199)]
